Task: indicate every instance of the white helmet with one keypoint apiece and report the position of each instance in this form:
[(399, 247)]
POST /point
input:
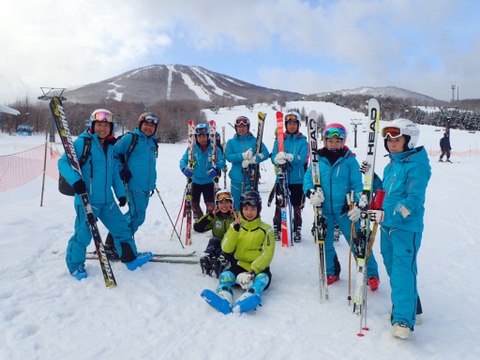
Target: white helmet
[(402, 127)]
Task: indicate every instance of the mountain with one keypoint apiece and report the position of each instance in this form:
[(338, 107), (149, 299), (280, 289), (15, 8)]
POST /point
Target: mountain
[(174, 82), (388, 91)]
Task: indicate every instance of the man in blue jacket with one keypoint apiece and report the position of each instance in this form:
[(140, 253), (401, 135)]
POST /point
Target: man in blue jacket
[(240, 151), (137, 154), (100, 174), (204, 171), (294, 157)]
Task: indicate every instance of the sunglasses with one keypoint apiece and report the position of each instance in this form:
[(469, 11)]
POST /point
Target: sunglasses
[(224, 196), (334, 132), (242, 121), (103, 116), (291, 117), (201, 131), (151, 119)]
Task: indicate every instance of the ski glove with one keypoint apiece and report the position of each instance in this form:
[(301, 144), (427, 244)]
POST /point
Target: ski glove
[(316, 197), (363, 202), (125, 175), (364, 167), (247, 155), (245, 280), (213, 172), (122, 201), (80, 187), (376, 215), (245, 163), (354, 214), (187, 172), (282, 157)]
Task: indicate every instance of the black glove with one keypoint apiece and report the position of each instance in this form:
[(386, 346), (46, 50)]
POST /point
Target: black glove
[(80, 187), (122, 201), (237, 227), (125, 175)]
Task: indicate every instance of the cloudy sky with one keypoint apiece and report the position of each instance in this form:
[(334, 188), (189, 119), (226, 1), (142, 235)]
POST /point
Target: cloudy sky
[(304, 46)]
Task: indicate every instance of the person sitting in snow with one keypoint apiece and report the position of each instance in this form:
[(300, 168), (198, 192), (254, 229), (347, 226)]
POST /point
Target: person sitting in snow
[(218, 221), (252, 244), (100, 172)]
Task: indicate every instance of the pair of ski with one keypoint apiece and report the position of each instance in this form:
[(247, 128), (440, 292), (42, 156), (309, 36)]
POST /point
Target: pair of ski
[(247, 302), (188, 210), (282, 190), (161, 258), (252, 172)]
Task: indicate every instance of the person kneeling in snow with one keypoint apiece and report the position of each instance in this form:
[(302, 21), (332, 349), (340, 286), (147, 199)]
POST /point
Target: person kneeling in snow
[(252, 243)]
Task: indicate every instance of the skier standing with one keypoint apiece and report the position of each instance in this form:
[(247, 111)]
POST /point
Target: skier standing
[(204, 171), (406, 178), (240, 151), (295, 155), (100, 173), (339, 174), (137, 154), (445, 147)]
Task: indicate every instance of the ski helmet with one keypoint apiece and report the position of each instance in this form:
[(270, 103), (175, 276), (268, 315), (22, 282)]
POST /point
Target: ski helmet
[(334, 130), (293, 116), (251, 198), (402, 127), (148, 117), (223, 195), (101, 115), (242, 120), (201, 129)]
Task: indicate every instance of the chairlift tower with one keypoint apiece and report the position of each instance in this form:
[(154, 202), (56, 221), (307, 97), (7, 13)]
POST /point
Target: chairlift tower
[(355, 123), (48, 93)]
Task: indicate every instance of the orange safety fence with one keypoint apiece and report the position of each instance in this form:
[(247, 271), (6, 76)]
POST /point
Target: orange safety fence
[(456, 153), (18, 169)]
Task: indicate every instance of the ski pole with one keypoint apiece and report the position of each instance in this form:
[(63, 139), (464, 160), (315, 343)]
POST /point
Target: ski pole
[(169, 218), (180, 212), (350, 199)]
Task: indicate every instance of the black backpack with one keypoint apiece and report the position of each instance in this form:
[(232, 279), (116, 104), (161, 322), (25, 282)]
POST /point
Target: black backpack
[(63, 186)]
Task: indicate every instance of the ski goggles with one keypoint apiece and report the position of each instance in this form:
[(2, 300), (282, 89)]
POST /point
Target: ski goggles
[(242, 121), (224, 196), (201, 131), (103, 116), (291, 118), (335, 132), (151, 119), (392, 131)]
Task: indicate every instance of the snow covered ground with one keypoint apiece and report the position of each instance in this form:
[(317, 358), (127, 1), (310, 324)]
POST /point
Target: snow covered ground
[(156, 312)]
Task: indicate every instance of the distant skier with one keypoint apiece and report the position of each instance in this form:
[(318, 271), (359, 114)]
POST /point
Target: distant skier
[(445, 147)]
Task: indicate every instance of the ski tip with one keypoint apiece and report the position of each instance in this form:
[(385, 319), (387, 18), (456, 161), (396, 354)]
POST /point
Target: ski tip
[(261, 115), (360, 335)]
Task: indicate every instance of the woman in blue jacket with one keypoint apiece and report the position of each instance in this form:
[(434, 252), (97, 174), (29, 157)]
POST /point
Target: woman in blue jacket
[(204, 171), (293, 157), (339, 175), (100, 174), (405, 181), (240, 151)]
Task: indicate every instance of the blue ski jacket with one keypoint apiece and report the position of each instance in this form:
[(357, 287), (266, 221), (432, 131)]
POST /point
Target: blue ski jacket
[(203, 163), (142, 161), (297, 145), (337, 180), (236, 146), (405, 181), (100, 172)]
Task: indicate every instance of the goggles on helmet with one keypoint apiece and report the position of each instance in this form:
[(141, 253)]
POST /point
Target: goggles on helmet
[(151, 119), (242, 120), (291, 117), (392, 131), (103, 116), (224, 196), (337, 132), (201, 131)]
